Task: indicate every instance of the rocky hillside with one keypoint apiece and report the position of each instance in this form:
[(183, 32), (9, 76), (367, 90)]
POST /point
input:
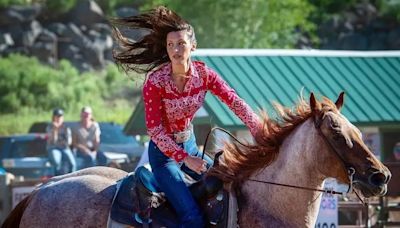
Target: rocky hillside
[(83, 35)]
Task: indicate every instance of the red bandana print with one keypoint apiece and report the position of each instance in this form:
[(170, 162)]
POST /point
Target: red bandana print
[(168, 110)]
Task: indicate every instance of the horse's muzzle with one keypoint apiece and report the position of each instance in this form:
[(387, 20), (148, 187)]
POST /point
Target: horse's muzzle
[(379, 178), (376, 184)]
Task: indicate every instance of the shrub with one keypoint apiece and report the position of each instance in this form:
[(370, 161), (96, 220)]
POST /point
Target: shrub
[(40, 87), (59, 7), (6, 3)]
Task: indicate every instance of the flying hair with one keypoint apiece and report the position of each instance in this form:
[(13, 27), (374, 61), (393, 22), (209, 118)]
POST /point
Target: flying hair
[(149, 52)]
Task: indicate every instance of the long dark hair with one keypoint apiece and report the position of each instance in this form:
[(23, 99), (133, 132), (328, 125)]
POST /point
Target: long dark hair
[(149, 52)]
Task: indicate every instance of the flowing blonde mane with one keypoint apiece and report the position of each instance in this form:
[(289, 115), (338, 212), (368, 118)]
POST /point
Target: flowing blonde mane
[(239, 162)]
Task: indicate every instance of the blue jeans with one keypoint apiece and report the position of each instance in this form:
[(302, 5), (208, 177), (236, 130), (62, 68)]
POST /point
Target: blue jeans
[(62, 159), (89, 161), (170, 178)]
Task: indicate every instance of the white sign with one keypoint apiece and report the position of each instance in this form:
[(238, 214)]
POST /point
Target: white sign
[(19, 193), (328, 210)]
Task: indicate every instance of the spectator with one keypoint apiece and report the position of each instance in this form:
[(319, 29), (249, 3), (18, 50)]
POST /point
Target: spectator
[(58, 144), (86, 140)]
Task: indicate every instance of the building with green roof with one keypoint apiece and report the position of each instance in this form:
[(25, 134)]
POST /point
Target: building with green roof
[(371, 81)]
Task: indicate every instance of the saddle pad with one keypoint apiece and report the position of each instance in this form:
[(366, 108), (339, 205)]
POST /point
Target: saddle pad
[(122, 210), (146, 177)]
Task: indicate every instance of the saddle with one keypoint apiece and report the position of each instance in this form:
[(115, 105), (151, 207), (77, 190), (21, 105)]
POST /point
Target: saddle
[(139, 202)]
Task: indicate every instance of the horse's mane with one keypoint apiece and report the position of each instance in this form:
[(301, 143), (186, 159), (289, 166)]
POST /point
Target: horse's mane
[(239, 161)]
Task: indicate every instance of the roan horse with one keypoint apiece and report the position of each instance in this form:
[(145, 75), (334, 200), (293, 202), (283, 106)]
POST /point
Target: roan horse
[(303, 147)]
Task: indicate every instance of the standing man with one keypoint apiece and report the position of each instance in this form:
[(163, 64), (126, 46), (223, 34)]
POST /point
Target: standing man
[(58, 144), (86, 140)]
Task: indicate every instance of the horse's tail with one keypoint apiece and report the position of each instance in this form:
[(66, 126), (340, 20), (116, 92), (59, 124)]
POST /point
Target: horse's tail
[(14, 218)]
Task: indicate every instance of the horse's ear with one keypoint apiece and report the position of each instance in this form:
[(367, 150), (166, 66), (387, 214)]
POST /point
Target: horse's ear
[(315, 109), (339, 102), (314, 105)]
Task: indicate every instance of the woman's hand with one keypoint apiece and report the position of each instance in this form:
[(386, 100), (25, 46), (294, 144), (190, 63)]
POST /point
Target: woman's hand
[(196, 164)]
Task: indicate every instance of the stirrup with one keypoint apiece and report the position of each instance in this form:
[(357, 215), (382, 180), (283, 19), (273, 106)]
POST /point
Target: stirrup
[(140, 220)]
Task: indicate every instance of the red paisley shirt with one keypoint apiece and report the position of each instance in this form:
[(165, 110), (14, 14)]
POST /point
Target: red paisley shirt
[(168, 110)]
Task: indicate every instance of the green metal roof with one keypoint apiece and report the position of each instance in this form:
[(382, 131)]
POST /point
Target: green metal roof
[(371, 81)]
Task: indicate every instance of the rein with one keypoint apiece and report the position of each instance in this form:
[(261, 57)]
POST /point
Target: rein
[(350, 170)]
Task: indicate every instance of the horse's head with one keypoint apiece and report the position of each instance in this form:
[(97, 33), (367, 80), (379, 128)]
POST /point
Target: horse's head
[(347, 147)]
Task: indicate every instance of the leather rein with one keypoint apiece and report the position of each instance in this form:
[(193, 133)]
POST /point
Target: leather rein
[(350, 169)]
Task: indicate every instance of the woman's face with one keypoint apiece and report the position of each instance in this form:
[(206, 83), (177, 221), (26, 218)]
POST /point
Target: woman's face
[(58, 119), (179, 47), (86, 116)]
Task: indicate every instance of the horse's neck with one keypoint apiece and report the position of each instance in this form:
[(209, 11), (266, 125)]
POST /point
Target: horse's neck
[(296, 165)]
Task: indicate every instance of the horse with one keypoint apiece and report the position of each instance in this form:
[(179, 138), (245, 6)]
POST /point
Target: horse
[(303, 146)]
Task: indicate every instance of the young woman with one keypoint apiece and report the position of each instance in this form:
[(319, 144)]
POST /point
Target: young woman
[(174, 90), (58, 144)]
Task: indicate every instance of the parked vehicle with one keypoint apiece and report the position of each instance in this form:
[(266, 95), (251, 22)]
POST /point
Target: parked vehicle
[(113, 142), (25, 156), (113, 139)]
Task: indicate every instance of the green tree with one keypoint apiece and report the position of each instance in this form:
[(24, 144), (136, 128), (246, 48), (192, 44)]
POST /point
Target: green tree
[(245, 23), (6, 3), (389, 8)]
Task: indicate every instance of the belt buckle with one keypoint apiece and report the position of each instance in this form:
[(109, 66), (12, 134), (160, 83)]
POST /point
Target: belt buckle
[(181, 137)]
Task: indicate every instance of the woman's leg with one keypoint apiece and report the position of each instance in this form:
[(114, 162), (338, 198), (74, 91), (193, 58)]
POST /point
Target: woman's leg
[(55, 156), (170, 178), (101, 158), (70, 160), (88, 160)]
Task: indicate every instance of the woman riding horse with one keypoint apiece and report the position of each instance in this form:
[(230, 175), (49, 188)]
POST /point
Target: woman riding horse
[(174, 90)]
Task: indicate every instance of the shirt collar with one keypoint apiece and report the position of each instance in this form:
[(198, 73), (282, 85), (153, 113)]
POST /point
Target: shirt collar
[(192, 69)]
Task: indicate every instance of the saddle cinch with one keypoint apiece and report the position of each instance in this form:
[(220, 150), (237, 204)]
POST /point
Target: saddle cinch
[(140, 203)]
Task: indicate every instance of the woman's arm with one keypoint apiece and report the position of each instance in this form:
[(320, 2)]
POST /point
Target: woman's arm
[(69, 136), (50, 134), (226, 94)]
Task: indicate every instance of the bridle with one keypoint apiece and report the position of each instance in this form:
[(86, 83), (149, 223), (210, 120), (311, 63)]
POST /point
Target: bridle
[(350, 169)]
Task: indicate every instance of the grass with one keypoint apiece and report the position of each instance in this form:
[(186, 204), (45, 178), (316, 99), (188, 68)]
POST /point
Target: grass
[(118, 111)]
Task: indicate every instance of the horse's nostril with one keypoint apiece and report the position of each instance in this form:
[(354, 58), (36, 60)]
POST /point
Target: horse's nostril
[(388, 177), (378, 179)]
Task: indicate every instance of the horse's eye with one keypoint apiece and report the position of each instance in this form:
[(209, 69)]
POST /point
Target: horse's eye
[(334, 124), (339, 140)]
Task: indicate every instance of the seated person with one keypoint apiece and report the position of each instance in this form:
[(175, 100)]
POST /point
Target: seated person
[(86, 140), (58, 144)]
